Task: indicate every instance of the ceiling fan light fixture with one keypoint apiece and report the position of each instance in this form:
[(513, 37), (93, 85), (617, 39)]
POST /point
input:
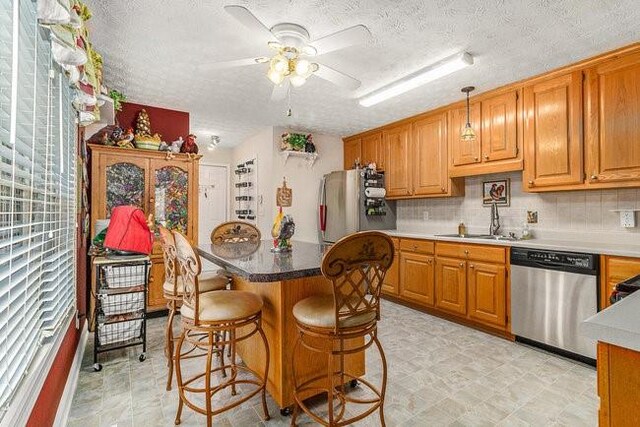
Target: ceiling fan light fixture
[(411, 81), (275, 76), (309, 50), (297, 80), (303, 67), (279, 63)]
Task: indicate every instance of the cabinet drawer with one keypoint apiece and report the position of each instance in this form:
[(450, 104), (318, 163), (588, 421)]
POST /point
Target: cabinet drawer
[(619, 269), (472, 252), (414, 245)]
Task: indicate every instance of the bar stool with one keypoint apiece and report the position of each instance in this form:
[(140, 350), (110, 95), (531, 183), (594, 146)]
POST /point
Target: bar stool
[(238, 313), (356, 266), (172, 289)]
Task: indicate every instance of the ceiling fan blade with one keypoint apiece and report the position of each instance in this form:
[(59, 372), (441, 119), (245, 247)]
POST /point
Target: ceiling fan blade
[(248, 19), (230, 64), (351, 36), (280, 91), (336, 77)]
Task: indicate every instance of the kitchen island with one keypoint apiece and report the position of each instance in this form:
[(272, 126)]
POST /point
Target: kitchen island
[(281, 279), (617, 330)]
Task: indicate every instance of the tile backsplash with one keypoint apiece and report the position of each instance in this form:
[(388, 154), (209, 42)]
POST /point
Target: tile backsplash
[(571, 215)]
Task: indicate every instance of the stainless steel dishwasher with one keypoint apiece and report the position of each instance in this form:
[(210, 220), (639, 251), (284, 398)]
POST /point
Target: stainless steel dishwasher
[(551, 293)]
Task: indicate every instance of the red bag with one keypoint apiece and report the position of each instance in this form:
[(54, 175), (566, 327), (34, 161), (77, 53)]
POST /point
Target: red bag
[(128, 231)]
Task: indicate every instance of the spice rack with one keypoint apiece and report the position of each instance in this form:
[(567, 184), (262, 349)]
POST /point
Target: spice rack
[(120, 313), (245, 194)]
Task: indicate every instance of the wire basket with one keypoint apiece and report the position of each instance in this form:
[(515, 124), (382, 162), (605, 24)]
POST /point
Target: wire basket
[(124, 276), (120, 332), (115, 304)]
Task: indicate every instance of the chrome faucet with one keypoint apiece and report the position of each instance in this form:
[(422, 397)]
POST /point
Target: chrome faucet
[(495, 220)]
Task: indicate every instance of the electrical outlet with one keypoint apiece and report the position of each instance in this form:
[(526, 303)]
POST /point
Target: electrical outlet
[(627, 219), (425, 215)]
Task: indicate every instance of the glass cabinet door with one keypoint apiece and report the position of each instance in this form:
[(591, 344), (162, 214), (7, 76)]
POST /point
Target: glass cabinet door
[(171, 198), (125, 185)]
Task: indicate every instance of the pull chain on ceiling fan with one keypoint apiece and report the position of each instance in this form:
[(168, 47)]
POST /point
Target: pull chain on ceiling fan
[(292, 63)]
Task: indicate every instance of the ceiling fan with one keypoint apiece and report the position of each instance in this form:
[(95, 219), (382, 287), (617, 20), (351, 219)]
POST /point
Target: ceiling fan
[(291, 62)]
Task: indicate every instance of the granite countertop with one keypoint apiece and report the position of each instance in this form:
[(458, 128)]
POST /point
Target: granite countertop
[(600, 248), (256, 263), (618, 324)]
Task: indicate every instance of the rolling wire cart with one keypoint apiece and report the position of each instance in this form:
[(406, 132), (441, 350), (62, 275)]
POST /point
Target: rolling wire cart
[(120, 309)]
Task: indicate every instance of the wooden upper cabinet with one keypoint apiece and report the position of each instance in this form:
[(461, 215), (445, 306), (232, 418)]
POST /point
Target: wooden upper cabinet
[(465, 152), (397, 145), (430, 159), (487, 293), (451, 285), (499, 127), (352, 152), (613, 121), (553, 133), (372, 150)]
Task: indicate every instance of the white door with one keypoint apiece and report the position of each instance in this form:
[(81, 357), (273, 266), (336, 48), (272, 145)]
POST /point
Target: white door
[(213, 206)]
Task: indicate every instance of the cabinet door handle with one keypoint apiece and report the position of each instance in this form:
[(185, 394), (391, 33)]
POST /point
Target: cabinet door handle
[(442, 189), (461, 264), (530, 183), (594, 177), (486, 157), (466, 251), (472, 266), (475, 159)]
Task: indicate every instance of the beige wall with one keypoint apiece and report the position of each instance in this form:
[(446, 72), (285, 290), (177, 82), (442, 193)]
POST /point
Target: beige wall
[(303, 179)]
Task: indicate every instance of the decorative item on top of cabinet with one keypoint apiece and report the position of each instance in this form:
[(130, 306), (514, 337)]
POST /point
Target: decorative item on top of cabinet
[(553, 145), (612, 129), (352, 152), (613, 270), (430, 173), (397, 144)]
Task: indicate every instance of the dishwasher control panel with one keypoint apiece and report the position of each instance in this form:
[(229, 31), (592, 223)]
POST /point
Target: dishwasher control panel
[(554, 258)]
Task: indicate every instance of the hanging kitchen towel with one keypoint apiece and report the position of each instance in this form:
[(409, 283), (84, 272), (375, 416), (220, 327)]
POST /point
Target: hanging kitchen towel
[(128, 231), (375, 192)]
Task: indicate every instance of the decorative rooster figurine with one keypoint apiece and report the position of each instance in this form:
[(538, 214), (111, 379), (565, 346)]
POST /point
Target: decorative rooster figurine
[(190, 146)]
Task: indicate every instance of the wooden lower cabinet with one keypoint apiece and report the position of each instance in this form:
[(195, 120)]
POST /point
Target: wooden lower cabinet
[(451, 288), (613, 270), (465, 280), (618, 386), (416, 277), (392, 277), (487, 293), (155, 298)]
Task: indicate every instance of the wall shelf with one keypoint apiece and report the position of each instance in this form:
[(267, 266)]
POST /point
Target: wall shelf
[(310, 157)]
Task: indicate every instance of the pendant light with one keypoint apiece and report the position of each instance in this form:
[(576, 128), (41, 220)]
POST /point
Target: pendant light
[(468, 134)]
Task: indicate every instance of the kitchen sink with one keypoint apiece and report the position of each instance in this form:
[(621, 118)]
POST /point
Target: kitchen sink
[(479, 236)]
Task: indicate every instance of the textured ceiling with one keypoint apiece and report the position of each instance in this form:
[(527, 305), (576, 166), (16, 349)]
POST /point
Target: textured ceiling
[(151, 49)]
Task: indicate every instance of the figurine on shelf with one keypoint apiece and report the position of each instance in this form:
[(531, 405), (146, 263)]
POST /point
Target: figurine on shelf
[(126, 140), (309, 146), (190, 146), (176, 145)]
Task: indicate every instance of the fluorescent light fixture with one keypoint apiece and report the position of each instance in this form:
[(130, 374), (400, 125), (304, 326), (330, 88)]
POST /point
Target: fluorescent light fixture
[(425, 75)]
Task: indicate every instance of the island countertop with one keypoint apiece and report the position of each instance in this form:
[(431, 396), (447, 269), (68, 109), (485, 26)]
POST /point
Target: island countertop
[(256, 263)]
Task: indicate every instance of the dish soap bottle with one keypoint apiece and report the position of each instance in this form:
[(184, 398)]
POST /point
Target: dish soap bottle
[(462, 229), (526, 232)]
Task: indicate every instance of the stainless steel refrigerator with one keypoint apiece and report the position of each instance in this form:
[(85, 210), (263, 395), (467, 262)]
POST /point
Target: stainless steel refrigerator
[(351, 201)]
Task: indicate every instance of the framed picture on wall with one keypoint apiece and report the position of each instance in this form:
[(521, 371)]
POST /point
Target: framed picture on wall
[(498, 191)]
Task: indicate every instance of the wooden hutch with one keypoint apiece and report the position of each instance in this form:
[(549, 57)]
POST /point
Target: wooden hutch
[(164, 186)]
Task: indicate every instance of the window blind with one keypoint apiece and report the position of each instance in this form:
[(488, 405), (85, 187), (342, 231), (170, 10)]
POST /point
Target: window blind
[(37, 195)]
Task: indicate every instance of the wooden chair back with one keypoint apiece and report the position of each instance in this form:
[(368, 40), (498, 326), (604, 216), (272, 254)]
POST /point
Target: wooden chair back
[(235, 232), (356, 266), (190, 267), (169, 255)]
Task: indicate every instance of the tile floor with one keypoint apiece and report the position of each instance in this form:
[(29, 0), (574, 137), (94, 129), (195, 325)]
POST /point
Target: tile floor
[(440, 374)]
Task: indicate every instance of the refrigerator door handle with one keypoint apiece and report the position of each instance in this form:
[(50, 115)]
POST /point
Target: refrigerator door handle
[(323, 205)]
